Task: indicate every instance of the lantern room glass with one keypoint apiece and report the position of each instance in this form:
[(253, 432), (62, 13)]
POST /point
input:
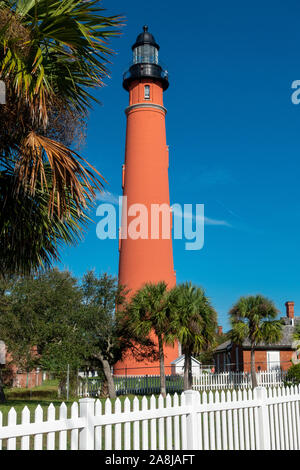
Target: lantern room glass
[(145, 54)]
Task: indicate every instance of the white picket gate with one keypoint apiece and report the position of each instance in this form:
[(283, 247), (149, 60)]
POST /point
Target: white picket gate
[(244, 419), (228, 380)]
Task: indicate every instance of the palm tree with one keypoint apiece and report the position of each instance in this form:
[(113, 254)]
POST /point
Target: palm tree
[(149, 312), (29, 237), (253, 318), (52, 55), (194, 324)]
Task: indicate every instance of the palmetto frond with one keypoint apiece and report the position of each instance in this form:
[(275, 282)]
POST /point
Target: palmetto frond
[(29, 238), (64, 50), (195, 319), (254, 317), (148, 309), (52, 54), (66, 171)]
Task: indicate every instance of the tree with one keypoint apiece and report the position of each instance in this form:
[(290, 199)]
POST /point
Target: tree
[(297, 333), (150, 312), (100, 297), (41, 324), (52, 321), (297, 337), (30, 237), (52, 54), (5, 286), (253, 318), (293, 375), (106, 330), (194, 324)]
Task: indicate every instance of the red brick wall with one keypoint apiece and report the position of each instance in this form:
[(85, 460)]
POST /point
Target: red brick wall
[(285, 359), (21, 380), (260, 360), (34, 379)]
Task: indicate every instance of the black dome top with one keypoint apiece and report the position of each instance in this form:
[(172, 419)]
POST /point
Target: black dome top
[(145, 38)]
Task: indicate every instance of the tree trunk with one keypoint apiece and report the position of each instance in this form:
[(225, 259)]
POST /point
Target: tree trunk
[(108, 376), (2, 394), (62, 387), (188, 376), (163, 389), (253, 371)]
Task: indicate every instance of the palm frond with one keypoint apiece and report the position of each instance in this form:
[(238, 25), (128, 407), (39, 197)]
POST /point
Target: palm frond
[(66, 172)]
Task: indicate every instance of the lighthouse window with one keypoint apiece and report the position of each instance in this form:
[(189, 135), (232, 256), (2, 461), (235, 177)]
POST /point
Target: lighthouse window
[(145, 54), (147, 92)]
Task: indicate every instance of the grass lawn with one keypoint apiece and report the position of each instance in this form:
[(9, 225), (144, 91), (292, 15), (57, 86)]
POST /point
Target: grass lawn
[(43, 395)]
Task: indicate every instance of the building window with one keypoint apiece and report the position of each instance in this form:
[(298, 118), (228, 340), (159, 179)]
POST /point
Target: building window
[(147, 92)]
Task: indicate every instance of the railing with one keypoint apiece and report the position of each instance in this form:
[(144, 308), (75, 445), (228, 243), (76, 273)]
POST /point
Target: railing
[(228, 380), (244, 420), (148, 384), (163, 74)]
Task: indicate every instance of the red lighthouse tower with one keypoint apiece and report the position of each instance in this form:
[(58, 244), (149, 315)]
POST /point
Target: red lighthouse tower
[(148, 256)]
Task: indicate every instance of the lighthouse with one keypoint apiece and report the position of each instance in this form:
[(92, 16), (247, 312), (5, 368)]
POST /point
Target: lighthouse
[(145, 243)]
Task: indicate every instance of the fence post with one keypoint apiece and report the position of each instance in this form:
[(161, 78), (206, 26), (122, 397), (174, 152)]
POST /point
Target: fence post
[(192, 400), (86, 434), (260, 394)]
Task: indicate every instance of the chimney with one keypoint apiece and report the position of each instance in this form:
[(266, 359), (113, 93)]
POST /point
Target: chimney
[(220, 330), (290, 309)]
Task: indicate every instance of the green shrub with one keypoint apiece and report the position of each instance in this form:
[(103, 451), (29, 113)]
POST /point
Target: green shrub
[(293, 375)]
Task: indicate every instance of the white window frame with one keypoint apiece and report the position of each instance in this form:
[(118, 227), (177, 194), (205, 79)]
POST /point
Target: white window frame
[(273, 360), (147, 92)]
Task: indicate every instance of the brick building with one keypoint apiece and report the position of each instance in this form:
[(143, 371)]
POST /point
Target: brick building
[(229, 356), (14, 377)]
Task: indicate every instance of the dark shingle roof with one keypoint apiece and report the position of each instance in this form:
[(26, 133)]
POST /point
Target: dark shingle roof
[(287, 340)]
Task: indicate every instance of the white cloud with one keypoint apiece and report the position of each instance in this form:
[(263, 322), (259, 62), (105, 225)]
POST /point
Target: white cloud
[(207, 220), (106, 196)]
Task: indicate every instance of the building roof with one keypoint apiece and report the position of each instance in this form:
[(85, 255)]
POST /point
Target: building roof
[(181, 358), (287, 341)]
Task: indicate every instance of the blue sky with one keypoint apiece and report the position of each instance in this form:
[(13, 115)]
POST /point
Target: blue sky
[(234, 139)]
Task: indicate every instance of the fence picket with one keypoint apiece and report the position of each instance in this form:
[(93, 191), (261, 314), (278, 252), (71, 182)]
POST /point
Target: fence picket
[(25, 419), (127, 426), (235, 422), (136, 426), (224, 438), (211, 418), (118, 427), (176, 424), (108, 427), (153, 425), (11, 421), (169, 432), (50, 435), (74, 432), (145, 424), (98, 429), (161, 425), (63, 434), (38, 438)]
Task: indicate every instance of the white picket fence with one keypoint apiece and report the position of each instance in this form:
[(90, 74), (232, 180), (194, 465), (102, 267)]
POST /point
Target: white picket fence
[(228, 380), (244, 419), (148, 384)]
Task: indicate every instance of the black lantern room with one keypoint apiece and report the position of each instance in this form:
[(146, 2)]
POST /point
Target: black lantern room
[(145, 63)]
